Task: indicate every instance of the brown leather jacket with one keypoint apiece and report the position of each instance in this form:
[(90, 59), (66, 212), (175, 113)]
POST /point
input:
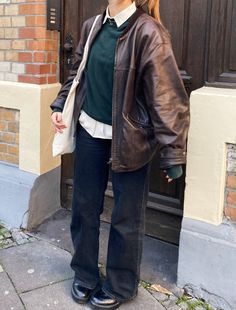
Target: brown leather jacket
[(150, 107)]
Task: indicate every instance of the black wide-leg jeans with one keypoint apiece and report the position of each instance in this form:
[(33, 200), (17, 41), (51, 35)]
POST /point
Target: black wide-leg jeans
[(91, 171)]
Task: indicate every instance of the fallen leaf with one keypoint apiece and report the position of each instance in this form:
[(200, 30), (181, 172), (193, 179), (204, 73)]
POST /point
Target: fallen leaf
[(160, 289)]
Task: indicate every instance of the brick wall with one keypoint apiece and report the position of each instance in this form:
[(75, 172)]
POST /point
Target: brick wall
[(28, 52), (230, 189), (9, 135)]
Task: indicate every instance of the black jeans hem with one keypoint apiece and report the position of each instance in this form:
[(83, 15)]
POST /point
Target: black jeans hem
[(85, 284), (121, 300)]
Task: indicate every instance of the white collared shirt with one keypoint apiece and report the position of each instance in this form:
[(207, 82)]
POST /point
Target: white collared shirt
[(95, 128), (121, 17)]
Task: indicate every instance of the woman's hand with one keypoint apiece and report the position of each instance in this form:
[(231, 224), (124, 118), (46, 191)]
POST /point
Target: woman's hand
[(56, 118), (173, 172), (168, 178)]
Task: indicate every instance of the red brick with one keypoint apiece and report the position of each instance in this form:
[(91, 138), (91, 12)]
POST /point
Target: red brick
[(51, 45), (7, 114), (32, 9), (13, 127), (27, 33), (32, 79), (13, 149), (52, 79), (3, 147), (39, 57), (231, 181), (35, 21), (7, 137), (52, 57), (55, 35), (12, 159), (34, 33), (230, 212), (3, 125), (25, 57), (36, 45), (37, 69), (53, 68), (231, 198), (42, 45), (42, 33)]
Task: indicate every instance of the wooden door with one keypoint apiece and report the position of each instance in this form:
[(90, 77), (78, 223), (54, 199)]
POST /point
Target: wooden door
[(188, 22)]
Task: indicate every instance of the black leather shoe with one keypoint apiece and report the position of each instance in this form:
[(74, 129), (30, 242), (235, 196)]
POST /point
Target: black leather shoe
[(100, 300), (80, 294)]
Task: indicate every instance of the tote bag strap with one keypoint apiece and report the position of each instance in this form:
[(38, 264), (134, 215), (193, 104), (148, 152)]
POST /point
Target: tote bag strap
[(86, 50)]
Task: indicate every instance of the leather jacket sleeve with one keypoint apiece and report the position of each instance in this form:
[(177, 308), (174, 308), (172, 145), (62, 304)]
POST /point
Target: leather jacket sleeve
[(63, 93), (167, 102)]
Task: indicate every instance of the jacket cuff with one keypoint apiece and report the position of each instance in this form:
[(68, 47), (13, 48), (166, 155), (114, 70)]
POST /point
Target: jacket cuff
[(171, 157), (57, 104), (56, 110)]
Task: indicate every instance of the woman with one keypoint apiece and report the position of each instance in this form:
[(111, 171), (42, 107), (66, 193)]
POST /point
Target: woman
[(130, 101)]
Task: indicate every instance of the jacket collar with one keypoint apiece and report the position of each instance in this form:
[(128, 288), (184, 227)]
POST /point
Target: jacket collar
[(122, 16), (99, 24)]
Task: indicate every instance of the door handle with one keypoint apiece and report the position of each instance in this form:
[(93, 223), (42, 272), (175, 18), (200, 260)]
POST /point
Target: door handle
[(69, 48)]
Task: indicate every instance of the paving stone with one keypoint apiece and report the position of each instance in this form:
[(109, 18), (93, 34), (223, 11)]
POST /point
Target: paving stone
[(159, 296), (56, 230), (144, 300), (8, 297), (170, 302), (35, 264), (55, 296)]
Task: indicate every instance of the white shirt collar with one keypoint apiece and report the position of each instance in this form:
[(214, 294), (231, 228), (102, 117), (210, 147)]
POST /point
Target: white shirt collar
[(121, 17)]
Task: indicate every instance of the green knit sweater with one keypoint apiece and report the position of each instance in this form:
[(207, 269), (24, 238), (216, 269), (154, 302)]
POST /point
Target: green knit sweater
[(99, 73)]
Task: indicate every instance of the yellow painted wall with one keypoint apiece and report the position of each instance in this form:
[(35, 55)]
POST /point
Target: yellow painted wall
[(213, 124), (36, 131)]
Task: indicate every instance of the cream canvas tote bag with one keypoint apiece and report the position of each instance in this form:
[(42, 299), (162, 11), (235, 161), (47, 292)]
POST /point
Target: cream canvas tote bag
[(64, 142)]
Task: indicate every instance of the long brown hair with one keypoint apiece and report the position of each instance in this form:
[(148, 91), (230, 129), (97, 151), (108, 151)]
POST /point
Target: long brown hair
[(153, 7)]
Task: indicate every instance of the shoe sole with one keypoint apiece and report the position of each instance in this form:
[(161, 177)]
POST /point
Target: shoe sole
[(96, 307)]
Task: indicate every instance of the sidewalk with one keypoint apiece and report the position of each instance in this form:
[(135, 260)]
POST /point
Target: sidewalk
[(36, 273)]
